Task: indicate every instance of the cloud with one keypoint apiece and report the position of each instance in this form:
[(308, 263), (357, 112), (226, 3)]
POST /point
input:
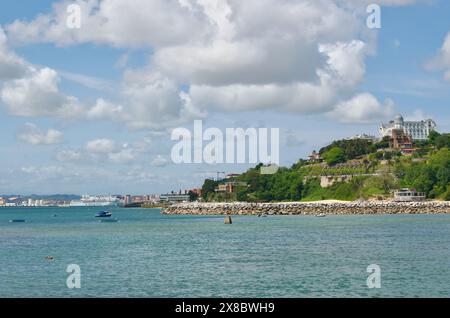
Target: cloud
[(101, 146), (32, 91), (229, 56), (11, 66), (104, 110), (417, 115), (159, 161), (99, 84), (441, 62), (67, 173), (115, 22), (68, 155), (109, 151), (151, 101), (162, 23), (298, 56), (362, 108), (344, 68), (37, 94), (31, 134), (122, 61), (122, 156), (293, 140), (101, 150)]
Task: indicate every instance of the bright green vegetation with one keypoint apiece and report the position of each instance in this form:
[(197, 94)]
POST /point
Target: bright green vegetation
[(334, 156), (343, 150), (431, 176), (370, 170)]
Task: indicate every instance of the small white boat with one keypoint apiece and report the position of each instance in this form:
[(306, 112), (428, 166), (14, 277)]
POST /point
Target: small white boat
[(321, 215)]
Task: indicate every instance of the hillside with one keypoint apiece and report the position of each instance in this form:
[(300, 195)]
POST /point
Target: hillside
[(351, 170)]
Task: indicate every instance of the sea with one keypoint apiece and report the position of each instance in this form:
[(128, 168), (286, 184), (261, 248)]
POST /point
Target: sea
[(147, 254)]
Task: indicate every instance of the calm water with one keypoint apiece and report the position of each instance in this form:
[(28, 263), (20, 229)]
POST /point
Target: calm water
[(150, 255)]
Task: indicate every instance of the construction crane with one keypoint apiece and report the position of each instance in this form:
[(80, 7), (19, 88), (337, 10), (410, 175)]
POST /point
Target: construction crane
[(218, 175)]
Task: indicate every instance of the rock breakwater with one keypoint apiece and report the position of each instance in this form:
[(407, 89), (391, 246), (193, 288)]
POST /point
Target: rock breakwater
[(310, 208)]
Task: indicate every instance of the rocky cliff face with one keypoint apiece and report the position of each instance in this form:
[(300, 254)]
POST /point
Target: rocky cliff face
[(313, 208)]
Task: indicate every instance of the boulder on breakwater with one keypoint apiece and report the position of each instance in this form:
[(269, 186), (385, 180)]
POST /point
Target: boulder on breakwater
[(310, 208)]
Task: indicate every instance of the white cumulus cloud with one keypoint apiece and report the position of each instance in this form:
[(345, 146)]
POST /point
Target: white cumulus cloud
[(299, 56), (37, 94), (159, 161), (32, 134), (362, 108), (441, 61), (101, 146), (68, 155)]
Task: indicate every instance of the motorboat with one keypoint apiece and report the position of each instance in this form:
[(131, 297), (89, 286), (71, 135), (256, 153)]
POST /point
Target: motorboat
[(103, 214)]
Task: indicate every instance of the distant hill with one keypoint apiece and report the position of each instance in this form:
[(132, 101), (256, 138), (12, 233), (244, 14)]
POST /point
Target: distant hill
[(56, 197)]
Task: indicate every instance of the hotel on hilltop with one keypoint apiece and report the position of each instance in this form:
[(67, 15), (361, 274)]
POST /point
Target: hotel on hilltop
[(417, 130)]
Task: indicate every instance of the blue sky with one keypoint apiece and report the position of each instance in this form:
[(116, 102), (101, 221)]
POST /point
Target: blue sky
[(91, 110)]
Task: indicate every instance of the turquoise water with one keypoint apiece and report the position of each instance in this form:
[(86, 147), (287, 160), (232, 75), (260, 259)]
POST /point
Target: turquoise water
[(150, 255)]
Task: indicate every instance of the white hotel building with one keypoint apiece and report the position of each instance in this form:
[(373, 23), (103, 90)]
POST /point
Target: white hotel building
[(418, 130)]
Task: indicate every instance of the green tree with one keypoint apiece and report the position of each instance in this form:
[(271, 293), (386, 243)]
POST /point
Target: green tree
[(193, 196), (209, 187), (334, 156), (384, 143), (443, 141), (352, 149), (434, 135)]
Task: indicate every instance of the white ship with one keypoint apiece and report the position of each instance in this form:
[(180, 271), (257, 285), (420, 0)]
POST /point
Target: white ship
[(94, 201)]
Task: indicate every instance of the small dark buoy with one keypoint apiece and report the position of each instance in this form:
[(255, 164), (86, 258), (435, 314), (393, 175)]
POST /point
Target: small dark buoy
[(228, 220)]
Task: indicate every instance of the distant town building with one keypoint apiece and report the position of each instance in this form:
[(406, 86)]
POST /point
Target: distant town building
[(315, 157), (139, 198), (401, 141), (197, 191), (407, 195), (2, 202), (417, 130), (229, 187), (364, 137), (174, 197)]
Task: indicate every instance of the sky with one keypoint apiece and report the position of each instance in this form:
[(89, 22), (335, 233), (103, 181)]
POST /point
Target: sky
[(91, 109)]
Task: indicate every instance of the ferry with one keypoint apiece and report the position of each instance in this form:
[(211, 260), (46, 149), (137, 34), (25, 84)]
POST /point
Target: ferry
[(407, 195), (94, 201), (103, 214)]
